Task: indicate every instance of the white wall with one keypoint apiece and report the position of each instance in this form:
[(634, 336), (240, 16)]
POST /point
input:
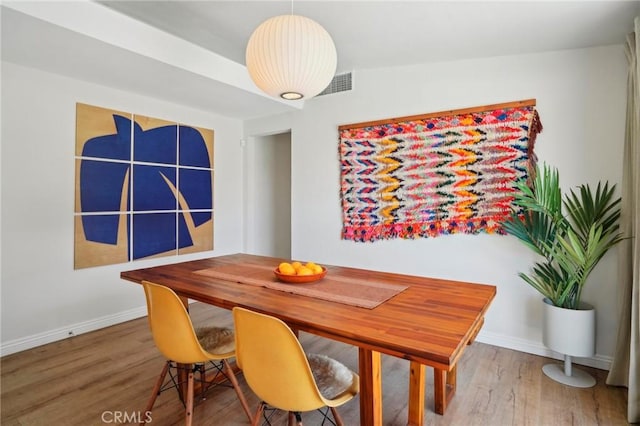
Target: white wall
[(581, 100), (43, 298)]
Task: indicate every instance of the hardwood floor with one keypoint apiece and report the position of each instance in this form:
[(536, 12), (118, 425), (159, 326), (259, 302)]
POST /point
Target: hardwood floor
[(93, 378)]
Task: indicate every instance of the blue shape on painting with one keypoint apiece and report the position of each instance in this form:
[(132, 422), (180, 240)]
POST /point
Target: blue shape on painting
[(201, 217), (153, 233), (156, 145), (150, 189), (114, 147), (101, 185), (102, 228), (193, 149), (195, 186)]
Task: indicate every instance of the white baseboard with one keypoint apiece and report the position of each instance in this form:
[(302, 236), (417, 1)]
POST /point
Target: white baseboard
[(598, 361), (522, 345), (50, 336)]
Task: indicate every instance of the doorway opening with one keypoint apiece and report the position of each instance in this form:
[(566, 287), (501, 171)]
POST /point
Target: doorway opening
[(267, 178)]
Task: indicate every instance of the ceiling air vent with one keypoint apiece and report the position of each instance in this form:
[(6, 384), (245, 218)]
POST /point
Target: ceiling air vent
[(340, 83)]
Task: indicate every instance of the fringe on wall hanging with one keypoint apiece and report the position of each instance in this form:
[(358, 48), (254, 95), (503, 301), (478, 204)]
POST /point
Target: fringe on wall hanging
[(434, 174)]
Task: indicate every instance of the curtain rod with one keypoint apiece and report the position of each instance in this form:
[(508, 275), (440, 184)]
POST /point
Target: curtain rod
[(523, 103)]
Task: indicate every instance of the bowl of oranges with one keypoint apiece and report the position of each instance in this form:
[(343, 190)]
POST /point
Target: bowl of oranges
[(299, 273)]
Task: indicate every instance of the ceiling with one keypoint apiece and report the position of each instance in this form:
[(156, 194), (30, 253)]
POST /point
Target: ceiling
[(373, 34), (367, 34)]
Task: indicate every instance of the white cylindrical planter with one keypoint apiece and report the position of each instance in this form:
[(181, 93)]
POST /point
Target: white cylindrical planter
[(571, 332)]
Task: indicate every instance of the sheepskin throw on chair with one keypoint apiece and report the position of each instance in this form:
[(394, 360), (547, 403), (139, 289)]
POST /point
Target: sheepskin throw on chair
[(434, 174)]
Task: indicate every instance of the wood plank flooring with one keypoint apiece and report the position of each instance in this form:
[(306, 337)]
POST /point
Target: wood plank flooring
[(93, 378)]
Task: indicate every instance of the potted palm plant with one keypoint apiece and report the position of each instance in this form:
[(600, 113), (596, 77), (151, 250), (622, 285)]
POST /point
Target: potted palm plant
[(571, 233)]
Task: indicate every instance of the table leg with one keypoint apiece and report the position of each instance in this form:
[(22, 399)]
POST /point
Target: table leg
[(445, 388), (416, 394), (370, 387)]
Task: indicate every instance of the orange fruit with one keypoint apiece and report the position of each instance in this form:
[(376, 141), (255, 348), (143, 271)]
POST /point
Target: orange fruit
[(296, 265), (305, 271), (317, 269), (286, 268)]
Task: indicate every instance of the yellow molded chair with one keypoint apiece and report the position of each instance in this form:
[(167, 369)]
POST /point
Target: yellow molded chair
[(276, 368), (175, 337)]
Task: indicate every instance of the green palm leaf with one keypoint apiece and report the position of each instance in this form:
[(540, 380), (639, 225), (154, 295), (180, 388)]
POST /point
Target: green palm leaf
[(573, 245)]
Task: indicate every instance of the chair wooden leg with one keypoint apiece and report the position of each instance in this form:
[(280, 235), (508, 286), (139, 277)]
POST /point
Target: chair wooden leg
[(204, 385), (336, 416), (189, 408), (295, 418), (236, 387), (156, 390), (258, 415)]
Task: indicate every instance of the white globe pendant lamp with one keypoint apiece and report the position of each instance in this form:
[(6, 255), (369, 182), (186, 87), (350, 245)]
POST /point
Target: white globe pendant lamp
[(291, 57)]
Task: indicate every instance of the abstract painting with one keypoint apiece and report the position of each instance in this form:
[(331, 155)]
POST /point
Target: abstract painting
[(144, 187)]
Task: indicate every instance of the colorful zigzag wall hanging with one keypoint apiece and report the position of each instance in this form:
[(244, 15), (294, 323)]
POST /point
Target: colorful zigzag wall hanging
[(435, 174)]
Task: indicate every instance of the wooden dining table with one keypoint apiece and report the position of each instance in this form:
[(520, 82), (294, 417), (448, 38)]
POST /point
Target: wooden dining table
[(427, 321)]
